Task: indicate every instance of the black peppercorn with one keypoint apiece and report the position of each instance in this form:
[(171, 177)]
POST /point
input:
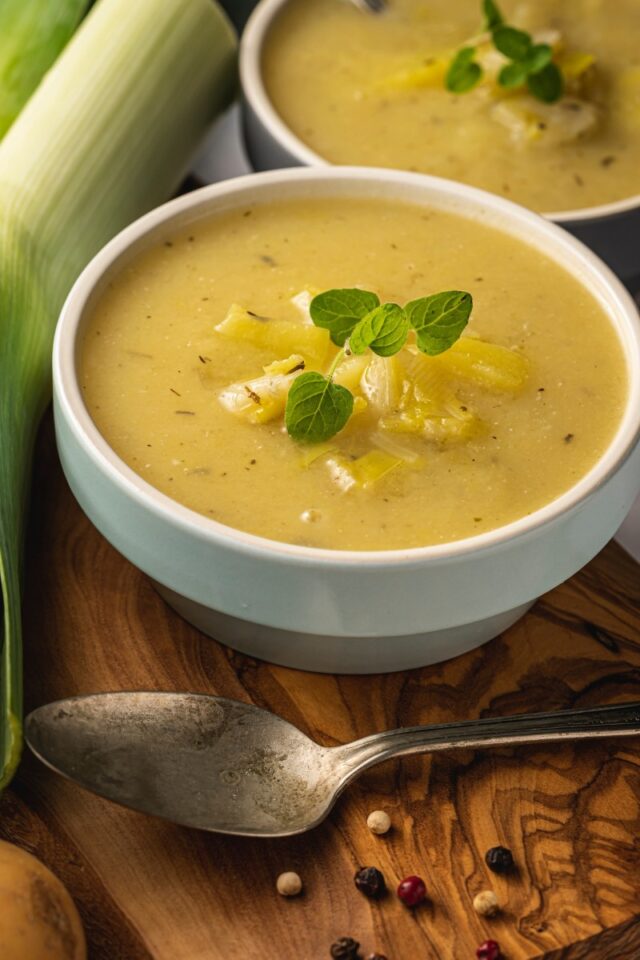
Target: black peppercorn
[(370, 881), (499, 859), (346, 948)]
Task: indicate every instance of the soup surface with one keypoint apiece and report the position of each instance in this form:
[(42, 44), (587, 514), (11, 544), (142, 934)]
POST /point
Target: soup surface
[(362, 89), (439, 448)]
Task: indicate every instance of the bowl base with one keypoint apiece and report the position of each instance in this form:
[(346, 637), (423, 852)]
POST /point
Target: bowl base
[(332, 654)]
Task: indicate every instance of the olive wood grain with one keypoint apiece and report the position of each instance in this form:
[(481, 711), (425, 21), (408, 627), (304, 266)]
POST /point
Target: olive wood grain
[(151, 891)]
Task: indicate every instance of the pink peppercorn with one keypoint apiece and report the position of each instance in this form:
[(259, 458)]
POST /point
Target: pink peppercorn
[(412, 891), (489, 950)]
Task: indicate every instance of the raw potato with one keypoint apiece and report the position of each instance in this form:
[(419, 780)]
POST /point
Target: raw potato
[(38, 918)]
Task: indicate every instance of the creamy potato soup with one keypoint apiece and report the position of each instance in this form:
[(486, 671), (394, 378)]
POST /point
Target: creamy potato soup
[(188, 358), (364, 89)]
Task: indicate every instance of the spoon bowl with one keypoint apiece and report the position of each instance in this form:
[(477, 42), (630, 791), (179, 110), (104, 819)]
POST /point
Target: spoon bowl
[(230, 767), (192, 759)]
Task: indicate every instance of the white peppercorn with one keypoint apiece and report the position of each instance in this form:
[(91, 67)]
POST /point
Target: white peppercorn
[(379, 822), (486, 903), (289, 884)]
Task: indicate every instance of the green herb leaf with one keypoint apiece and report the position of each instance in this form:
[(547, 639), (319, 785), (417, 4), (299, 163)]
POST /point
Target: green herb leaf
[(384, 330), (492, 16), (513, 43), (531, 63), (539, 56), (547, 84), (513, 75), (463, 73), (339, 311), (316, 408), (439, 319)]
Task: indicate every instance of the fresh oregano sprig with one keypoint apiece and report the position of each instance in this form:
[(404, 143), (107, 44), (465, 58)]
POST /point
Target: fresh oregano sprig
[(317, 407), (531, 64)]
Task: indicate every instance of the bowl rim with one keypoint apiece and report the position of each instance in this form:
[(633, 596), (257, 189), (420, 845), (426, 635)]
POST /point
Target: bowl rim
[(587, 268), (255, 93)]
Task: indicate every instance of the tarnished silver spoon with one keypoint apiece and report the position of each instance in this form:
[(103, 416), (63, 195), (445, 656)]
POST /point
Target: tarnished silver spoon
[(370, 6), (230, 767)]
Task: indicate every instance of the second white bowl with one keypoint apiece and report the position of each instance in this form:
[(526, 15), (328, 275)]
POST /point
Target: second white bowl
[(611, 230)]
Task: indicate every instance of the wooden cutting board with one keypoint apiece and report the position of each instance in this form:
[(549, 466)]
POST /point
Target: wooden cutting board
[(150, 891)]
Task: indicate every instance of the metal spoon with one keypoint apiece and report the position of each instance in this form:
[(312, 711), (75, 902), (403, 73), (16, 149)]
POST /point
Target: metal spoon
[(230, 767), (370, 6)]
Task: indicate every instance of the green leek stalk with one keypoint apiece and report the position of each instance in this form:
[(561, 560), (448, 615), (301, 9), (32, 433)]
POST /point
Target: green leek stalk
[(32, 34), (105, 137)]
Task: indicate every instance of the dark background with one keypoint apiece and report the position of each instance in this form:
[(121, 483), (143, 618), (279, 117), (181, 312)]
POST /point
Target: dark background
[(238, 10)]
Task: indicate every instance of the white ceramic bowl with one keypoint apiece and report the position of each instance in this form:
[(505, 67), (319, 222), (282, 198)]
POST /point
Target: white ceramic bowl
[(611, 230), (357, 612)]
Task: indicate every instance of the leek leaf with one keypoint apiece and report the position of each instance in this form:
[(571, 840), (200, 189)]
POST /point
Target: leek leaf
[(32, 34), (106, 136)]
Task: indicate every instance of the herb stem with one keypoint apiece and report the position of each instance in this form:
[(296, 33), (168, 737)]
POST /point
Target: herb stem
[(337, 360)]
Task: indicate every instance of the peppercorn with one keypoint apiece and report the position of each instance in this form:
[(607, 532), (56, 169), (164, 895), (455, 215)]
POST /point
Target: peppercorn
[(489, 950), (486, 903), (412, 891), (346, 948), (499, 859), (379, 822), (289, 884), (370, 881)]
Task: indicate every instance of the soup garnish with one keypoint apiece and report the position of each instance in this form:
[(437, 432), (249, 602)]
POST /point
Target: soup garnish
[(317, 408), (531, 63)]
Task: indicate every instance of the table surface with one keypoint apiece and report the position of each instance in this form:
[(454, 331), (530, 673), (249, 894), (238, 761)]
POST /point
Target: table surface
[(148, 890)]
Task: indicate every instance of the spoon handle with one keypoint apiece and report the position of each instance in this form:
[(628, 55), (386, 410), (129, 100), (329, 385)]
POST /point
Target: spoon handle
[(622, 720), (370, 6)]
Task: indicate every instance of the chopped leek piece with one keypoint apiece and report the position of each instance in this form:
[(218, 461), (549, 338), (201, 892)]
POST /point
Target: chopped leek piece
[(430, 73), (292, 364), (575, 63), (277, 336), (350, 372), (382, 383), (313, 453), (487, 364), (362, 472), (302, 301), (529, 120), (419, 419), (263, 398), (400, 450), (107, 135)]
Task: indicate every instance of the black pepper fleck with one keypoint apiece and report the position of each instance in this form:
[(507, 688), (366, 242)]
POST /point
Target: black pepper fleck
[(568, 438)]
